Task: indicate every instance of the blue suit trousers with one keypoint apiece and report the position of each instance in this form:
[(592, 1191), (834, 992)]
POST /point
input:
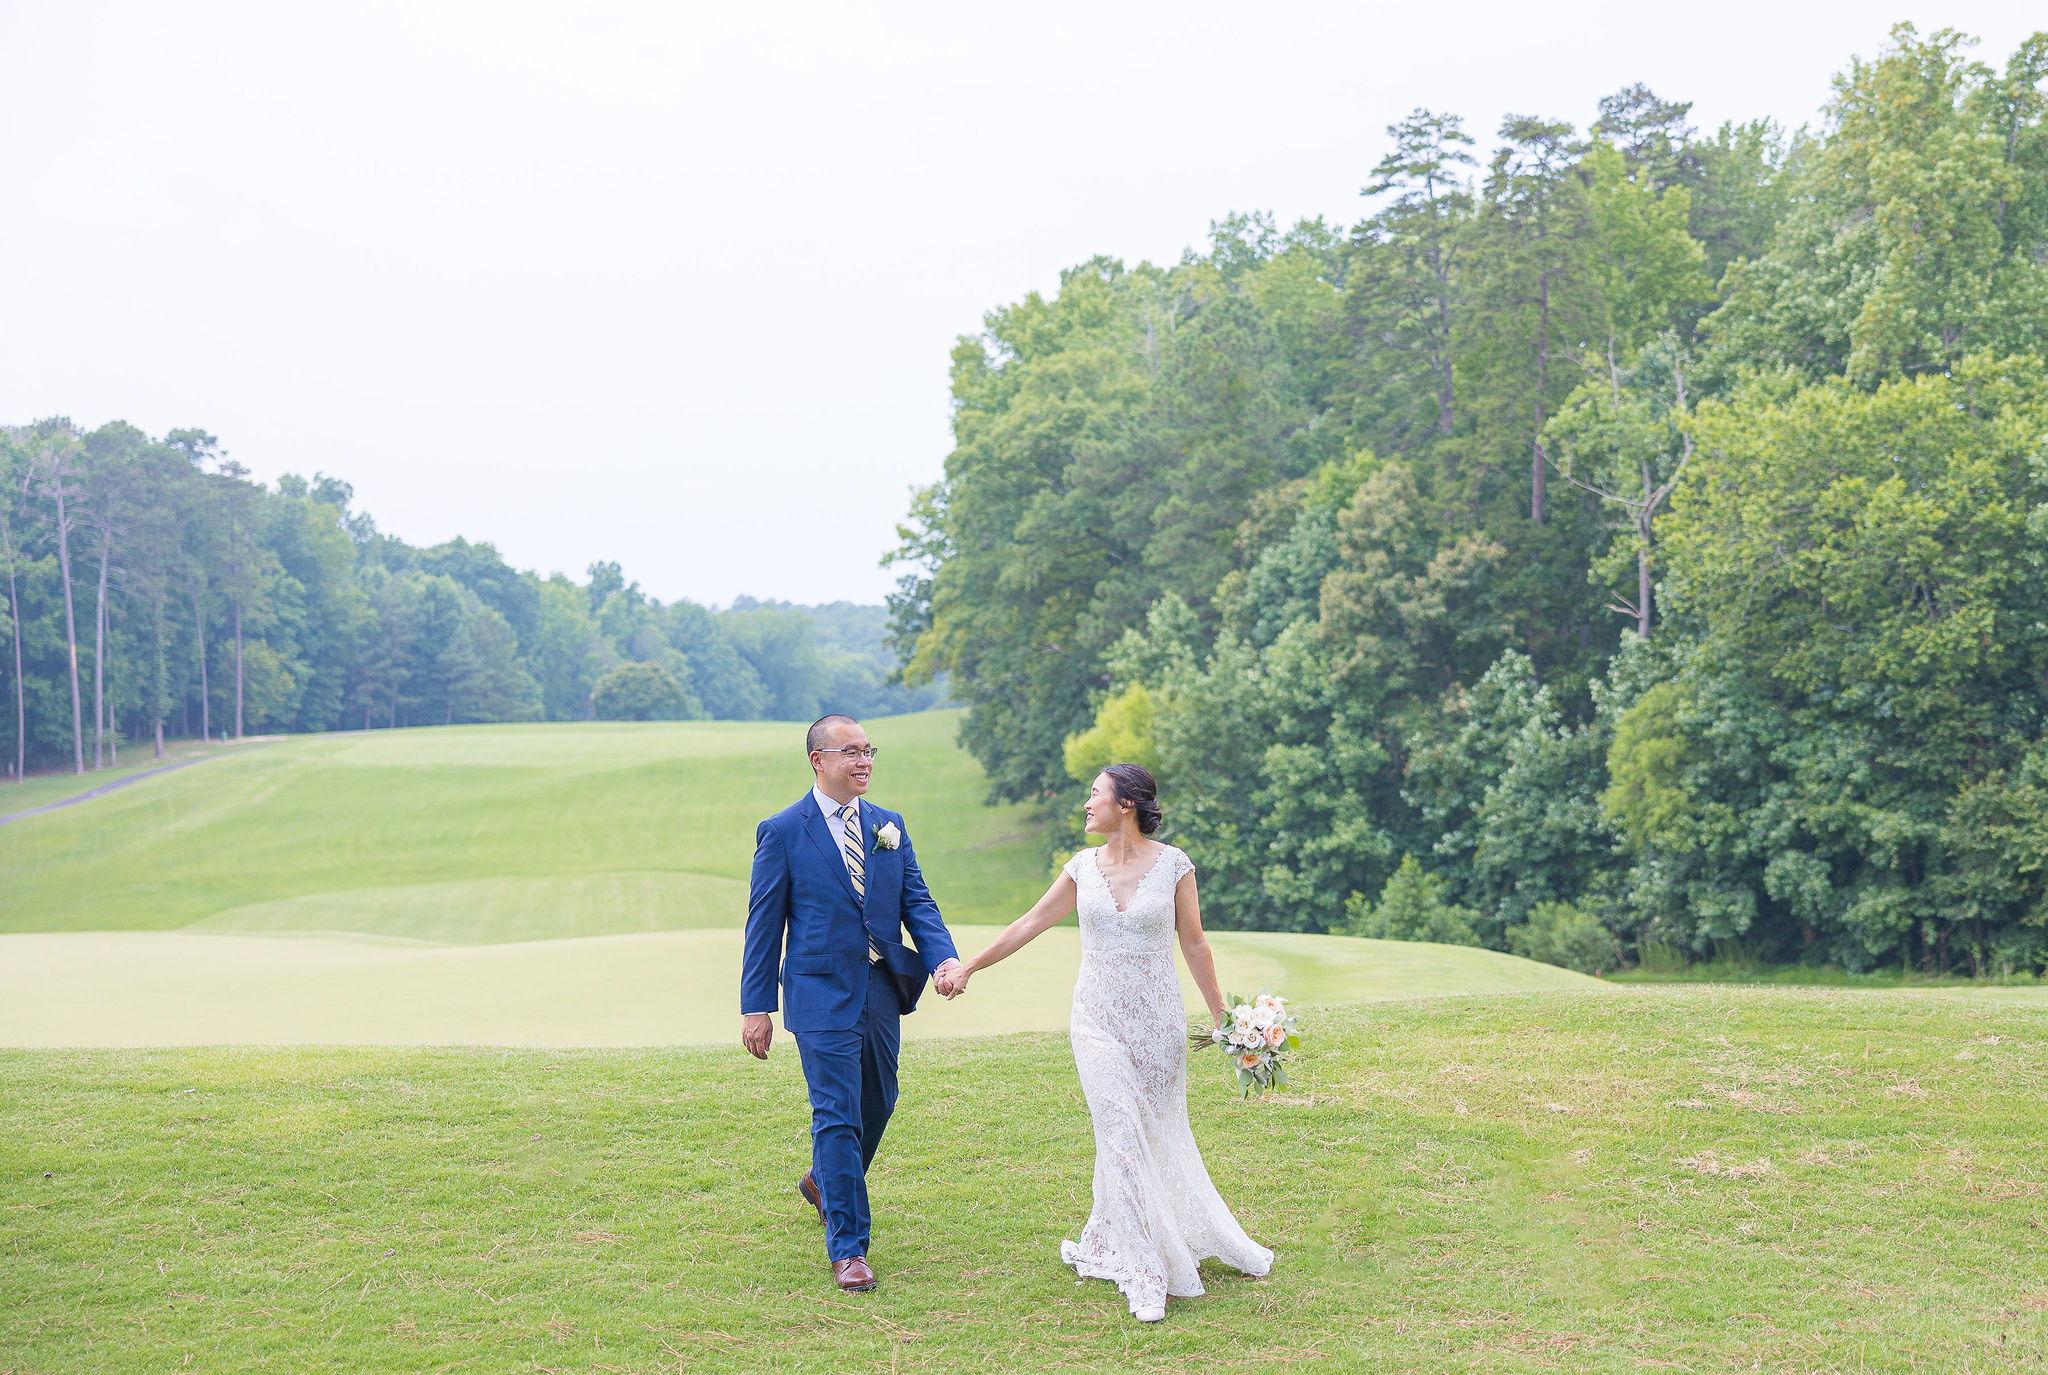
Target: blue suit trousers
[(852, 1080)]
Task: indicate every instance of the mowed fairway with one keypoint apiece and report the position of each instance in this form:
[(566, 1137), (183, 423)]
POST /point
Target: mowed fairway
[(487, 833), (528, 885), (1673, 1179)]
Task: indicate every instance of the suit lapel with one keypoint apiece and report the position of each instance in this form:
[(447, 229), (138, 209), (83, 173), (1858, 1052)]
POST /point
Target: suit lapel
[(821, 835)]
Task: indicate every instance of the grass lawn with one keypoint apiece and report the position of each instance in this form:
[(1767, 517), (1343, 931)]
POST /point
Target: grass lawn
[(1697, 1179), (156, 988), (490, 833)]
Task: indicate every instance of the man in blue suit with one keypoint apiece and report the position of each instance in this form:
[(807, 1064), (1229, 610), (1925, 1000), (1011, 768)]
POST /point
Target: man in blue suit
[(835, 880)]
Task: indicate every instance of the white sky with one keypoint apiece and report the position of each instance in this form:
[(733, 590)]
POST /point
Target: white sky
[(676, 284)]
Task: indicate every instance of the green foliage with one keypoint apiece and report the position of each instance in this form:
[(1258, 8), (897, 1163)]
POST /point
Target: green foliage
[(1915, 231), (287, 610), (1412, 908), (1122, 734), (1646, 763), (642, 692), (1520, 555), (1561, 934), (1105, 443), (1647, 266), (1844, 750)]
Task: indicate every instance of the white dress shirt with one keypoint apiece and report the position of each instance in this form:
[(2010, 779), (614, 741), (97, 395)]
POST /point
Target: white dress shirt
[(839, 829)]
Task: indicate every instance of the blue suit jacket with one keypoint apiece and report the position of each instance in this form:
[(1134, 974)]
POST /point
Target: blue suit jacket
[(802, 896)]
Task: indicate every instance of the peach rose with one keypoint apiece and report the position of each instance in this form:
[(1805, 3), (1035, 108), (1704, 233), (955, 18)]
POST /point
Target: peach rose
[(1248, 1061), (1276, 1036)]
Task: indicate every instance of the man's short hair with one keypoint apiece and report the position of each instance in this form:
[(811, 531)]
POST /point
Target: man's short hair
[(819, 737)]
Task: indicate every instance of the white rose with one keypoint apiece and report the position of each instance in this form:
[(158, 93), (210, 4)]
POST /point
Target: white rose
[(888, 837), (1264, 1017)]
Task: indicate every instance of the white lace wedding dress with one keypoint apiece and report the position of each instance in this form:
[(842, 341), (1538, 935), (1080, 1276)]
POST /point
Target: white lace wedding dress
[(1156, 1214)]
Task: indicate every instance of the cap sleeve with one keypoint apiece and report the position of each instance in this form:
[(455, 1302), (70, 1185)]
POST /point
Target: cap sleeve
[(1182, 865), (1072, 868)]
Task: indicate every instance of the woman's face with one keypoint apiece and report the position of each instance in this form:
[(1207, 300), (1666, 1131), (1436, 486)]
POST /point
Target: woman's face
[(1102, 816)]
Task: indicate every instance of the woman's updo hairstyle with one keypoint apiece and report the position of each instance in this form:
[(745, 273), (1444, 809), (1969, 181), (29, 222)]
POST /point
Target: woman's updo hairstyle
[(1136, 789)]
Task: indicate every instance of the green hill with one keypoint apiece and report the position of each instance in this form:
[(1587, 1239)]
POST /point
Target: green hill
[(529, 885), (489, 833)]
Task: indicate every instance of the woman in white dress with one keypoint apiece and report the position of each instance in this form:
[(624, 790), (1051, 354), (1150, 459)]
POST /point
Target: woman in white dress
[(1156, 1215)]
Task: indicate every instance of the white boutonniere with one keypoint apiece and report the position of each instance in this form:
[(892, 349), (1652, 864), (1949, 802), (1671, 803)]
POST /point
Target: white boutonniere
[(887, 837)]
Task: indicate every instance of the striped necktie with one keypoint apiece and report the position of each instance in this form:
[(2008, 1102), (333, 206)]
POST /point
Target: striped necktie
[(849, 841), (856, 863)]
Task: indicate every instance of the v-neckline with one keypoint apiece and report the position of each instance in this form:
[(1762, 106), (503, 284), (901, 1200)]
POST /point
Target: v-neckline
[(1123, 907)]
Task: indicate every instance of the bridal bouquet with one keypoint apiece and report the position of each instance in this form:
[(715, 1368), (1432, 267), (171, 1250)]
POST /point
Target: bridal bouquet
[(1257, 1035)]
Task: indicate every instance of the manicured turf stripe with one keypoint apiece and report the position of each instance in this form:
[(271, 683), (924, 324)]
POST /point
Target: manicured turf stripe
[(149, 988)]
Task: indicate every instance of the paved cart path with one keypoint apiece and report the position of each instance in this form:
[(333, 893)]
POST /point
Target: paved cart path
[(103, 789)]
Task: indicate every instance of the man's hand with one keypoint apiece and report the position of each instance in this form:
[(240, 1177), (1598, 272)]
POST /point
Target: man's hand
[(950, 979), (757, 1029)]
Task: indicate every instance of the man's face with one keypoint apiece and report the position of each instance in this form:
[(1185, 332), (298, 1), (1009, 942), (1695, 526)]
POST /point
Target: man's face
[(841, 774)]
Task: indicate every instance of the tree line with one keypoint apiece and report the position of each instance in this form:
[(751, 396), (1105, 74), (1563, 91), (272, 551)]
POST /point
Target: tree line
[(152, 587), (1631, 541)]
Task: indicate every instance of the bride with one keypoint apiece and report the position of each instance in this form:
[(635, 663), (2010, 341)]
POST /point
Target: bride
[(1156, 1215)]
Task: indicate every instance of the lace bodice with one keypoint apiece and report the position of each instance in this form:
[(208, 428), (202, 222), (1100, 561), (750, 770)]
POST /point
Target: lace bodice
[(1156, 1214), (1145, 923)]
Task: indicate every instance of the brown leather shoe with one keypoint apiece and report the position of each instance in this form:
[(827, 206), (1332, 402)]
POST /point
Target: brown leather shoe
[(853, 1275), (808, 1187)]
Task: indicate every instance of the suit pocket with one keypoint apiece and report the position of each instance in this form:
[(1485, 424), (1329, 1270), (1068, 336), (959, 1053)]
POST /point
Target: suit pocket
[(810, 964)]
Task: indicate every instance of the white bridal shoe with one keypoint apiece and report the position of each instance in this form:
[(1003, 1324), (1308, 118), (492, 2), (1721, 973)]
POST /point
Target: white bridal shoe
[(1150, 1314)]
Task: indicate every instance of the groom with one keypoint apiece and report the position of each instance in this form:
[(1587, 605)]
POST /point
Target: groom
[(834, 876)]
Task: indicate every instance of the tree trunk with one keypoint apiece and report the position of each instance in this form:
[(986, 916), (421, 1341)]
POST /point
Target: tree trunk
[(205, 708), (238, 667), (1444, 394), (1643, 556), (20, 698), (1536, 456), (111, 716), (159, 687), (99, 656), (1643, 592), (70, 625)]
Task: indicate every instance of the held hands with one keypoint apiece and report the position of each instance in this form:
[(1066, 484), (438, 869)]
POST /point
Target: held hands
[(950, 979)]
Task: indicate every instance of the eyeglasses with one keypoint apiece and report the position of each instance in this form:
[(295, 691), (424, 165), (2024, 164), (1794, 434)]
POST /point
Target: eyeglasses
[(855, 753)]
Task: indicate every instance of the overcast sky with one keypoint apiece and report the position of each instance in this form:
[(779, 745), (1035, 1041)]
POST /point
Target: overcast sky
[(675, 285)]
